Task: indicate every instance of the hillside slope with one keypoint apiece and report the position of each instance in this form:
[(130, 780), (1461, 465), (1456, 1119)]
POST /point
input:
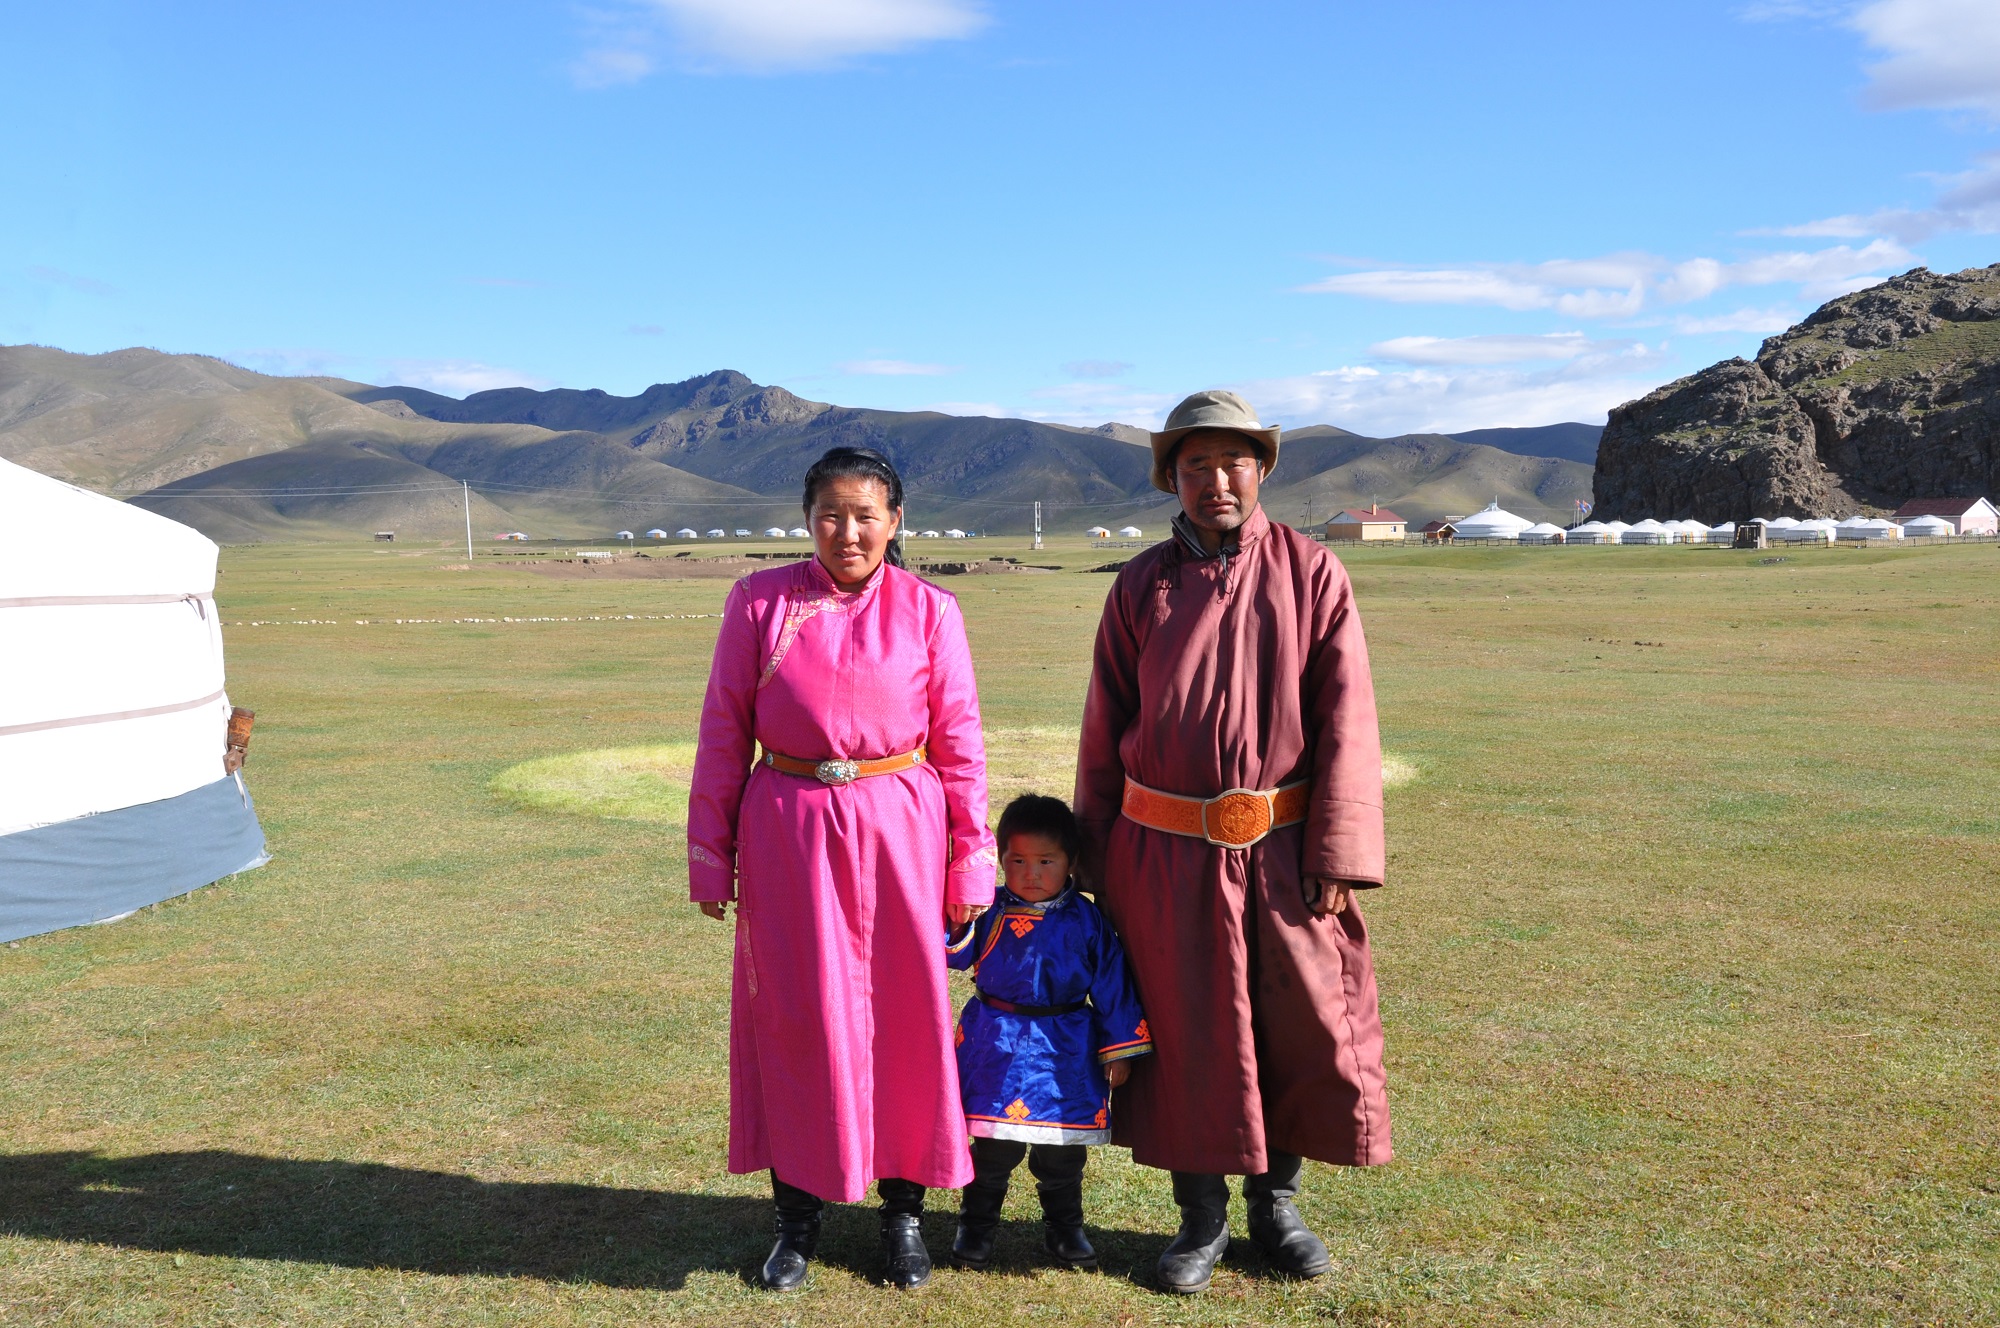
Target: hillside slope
[(1887, 394), (247, 456)]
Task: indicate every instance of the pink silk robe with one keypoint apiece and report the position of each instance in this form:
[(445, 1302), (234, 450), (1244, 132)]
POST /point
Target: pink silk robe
[(841, 1068), (1265, 1028)]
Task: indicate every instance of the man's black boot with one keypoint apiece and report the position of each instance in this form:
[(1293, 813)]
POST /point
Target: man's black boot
[(906, 1263), (1188, 1263), (978, 1224), (1058, 1170), (798, 1238), (1275, 1225)]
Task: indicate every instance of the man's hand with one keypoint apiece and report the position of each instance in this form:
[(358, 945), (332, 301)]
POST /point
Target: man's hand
[(232, 760), (1117, 1072), (960, 914), (1327, 897), (715, 908)]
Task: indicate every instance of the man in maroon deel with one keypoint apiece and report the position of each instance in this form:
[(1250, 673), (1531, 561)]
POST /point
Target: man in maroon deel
[(1229, 783)]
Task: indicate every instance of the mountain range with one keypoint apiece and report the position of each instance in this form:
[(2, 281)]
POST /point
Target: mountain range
[(245, 456)]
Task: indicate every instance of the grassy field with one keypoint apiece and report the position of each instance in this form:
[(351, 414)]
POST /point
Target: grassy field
[(1688, 961)]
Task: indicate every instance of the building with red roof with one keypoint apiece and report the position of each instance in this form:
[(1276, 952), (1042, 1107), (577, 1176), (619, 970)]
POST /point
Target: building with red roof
[(1373, 522), (1968, 516)]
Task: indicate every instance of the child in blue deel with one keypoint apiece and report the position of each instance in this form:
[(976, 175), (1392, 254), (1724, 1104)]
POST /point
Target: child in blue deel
[(1045, 1037)]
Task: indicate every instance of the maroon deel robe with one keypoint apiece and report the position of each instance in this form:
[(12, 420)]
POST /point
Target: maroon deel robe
[(1211, 676)]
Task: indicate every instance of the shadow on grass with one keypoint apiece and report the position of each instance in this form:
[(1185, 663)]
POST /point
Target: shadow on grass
[(366, 1215)]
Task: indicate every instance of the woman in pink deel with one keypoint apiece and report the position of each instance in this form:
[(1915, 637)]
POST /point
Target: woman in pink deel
[(840, 799)]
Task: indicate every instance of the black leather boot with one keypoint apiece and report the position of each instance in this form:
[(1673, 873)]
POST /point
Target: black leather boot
[(1275, 1225), (978, 1224), (993, 1161), (1188, 1263), (798, 1238), (906, 1263), (1058, 1172)]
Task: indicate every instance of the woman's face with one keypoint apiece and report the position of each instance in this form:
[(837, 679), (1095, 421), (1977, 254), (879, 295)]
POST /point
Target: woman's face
[(852, 524)]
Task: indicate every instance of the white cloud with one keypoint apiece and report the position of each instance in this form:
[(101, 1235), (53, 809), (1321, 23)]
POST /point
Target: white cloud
[(1762, 322), (1496, 349), (992, 409), (458, 378), (764, 36), (610, 66), (1443, 400), (894, 369), (294, 362), (1620, 285), (1969, 202), (55, 276), (1096, 368), (1092, 404), (1942, 54)]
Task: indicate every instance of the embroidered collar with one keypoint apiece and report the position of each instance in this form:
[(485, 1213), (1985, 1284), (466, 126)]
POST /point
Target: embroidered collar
[(1016, 904), (826, 582)]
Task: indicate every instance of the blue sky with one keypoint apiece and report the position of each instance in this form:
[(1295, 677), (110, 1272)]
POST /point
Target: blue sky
[(1388, 217)]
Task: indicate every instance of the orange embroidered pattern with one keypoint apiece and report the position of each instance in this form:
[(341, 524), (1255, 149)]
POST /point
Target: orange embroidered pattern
[(1017, 1110), (1141, 1033), (1020, 924), (1103, 1117), (958, 1036)]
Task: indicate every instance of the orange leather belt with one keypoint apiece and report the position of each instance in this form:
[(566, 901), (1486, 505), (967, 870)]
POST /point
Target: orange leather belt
[(1235, 819), (839, 772)]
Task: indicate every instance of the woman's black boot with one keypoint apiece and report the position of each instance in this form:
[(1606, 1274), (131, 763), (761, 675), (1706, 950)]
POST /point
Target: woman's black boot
[(798, 1238), (906, 1263)]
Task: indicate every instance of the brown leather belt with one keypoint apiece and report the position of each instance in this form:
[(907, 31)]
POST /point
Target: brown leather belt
[(841, 771), (1237, 818)]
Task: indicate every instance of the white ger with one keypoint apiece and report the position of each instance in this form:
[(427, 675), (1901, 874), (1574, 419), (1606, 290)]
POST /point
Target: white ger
[(113, 715)]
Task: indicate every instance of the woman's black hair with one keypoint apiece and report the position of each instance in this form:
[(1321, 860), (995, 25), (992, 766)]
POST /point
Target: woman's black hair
[(858, 463), (1051, 818)]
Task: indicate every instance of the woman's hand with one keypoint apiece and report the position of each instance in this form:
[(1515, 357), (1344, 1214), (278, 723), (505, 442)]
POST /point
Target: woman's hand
[(960, 914), (716, 908), (1117, 1072)]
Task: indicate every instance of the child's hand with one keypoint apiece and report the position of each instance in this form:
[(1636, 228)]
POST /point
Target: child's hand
[(1117, 1072)]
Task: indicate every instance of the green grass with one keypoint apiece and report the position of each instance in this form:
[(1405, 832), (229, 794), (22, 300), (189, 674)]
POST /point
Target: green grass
[(1688, 965)]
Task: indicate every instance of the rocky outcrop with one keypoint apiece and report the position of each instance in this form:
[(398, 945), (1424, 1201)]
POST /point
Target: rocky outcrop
[(1884, 395)]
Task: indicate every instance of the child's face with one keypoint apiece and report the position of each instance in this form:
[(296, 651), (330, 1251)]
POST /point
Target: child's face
[(1036, 867)]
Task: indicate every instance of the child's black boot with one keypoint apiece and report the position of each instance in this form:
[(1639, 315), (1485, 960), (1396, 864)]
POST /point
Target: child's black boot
[(1058, 1172), (993, 1161), (978, 1224)]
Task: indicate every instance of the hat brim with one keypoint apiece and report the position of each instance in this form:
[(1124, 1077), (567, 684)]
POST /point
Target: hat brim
[(1164, 441)]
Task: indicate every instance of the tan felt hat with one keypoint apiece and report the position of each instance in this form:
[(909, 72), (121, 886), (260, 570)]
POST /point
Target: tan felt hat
[(1213, 409)]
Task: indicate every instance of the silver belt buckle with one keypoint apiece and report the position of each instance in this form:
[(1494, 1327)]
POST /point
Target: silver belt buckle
[(837, 773)]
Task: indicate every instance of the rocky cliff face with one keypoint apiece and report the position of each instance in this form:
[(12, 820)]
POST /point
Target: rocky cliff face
[(1887, 394)]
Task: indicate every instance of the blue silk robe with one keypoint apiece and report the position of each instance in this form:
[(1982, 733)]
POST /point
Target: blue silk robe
[(1040, 1078)]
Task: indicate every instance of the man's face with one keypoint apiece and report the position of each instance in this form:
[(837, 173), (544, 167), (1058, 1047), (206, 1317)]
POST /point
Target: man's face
[(1216, 474)]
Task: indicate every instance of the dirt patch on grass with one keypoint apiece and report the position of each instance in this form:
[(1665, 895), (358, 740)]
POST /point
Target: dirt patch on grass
[(650, 568)]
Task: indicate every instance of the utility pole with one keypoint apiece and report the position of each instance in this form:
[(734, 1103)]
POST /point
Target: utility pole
[(467, 487), (1038, 527)]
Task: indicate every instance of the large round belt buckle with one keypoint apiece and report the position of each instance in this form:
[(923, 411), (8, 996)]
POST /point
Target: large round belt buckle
[(1237, 819), (837, 772)]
